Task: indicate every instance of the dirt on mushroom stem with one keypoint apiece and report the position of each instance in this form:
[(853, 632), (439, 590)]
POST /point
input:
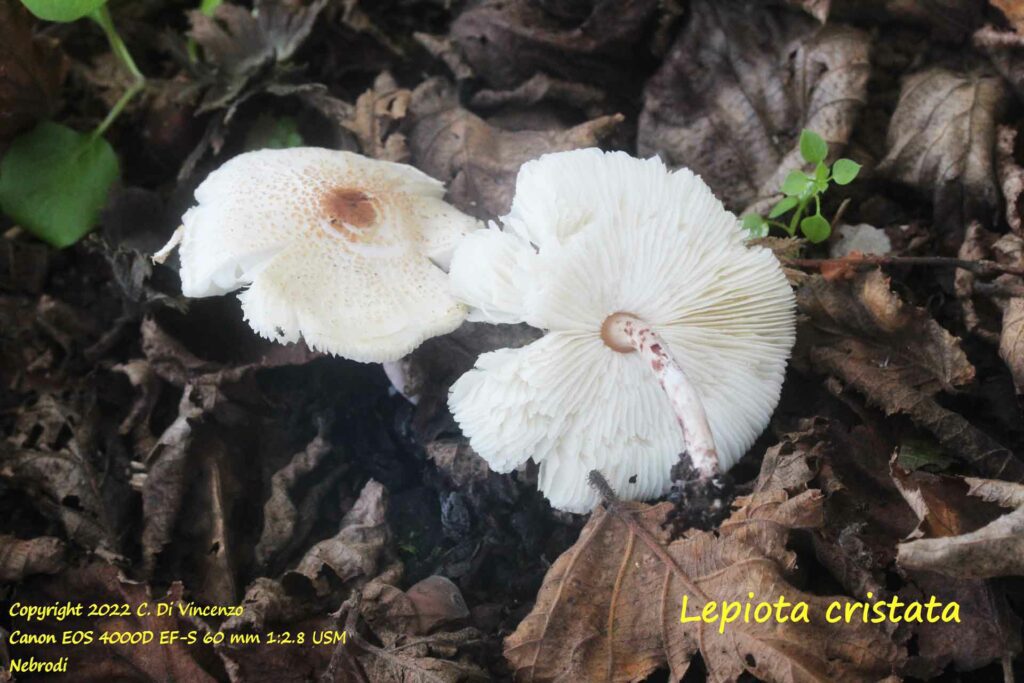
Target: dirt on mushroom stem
[(699, 489)]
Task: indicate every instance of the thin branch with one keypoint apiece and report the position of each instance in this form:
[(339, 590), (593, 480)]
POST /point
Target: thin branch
[(979, 267)]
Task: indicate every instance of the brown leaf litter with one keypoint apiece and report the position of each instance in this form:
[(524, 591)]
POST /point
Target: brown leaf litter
[(609, 609), (737, 87), (897, 356)]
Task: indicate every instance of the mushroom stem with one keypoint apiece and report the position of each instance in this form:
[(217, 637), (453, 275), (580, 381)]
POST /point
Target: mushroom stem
[(621, 331)]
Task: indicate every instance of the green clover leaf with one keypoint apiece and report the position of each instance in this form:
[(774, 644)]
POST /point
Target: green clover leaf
[(783, 206), (54, 181), (755, 225), (815, 228), (795, 183), (812, 147), (62, 10), (844, 171)]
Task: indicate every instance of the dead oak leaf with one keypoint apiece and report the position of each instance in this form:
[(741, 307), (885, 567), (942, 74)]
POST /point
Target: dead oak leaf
[(737, 87), (478, 161), (996, 549), (941, 140), (31, 71), (609, 608)]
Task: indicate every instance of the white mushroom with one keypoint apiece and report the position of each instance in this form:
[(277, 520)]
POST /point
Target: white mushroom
[(629, 268), (345, 251)]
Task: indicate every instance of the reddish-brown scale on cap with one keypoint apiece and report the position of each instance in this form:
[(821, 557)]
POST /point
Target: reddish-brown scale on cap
[(350, 211)]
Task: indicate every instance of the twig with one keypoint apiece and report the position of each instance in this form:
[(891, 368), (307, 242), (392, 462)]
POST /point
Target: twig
[(979, 267), (840, 212)]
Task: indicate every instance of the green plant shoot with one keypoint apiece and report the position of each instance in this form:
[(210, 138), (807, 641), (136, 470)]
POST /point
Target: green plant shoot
[(803, 193)]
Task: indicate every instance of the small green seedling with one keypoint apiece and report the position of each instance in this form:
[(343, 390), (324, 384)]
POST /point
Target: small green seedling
[(801, 189), (54, 181)]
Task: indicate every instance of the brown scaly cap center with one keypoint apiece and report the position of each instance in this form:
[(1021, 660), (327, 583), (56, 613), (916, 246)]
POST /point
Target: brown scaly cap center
[(350, 211)]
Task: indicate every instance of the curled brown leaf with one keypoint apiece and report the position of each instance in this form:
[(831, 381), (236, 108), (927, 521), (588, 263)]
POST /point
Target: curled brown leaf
[(941, 140), (738, 86), (478, 161)]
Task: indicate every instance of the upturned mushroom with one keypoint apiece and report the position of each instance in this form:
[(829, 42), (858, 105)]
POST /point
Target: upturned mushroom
[(344, 251), (639, 277)]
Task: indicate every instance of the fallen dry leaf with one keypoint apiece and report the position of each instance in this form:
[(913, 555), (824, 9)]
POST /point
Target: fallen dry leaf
[(429, 659), (1013, 10), (996, 549), (101, 584), (867, 516), (507, 43), (477, 161), (609, 609), (239, 42), (375, 118), (31, 71), (1011, 340), (542, 88), (168, 472), (791, 464), (897, 356), (941, 140), (435, 601), (738, 86), (285, 662), (296, 492), (1011, 177), (20, 558), (327, 572), (1005, 49), (988, 630), (948, 20), (55, 456)]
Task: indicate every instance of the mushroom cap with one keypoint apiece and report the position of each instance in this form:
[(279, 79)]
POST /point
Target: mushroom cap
[(591, 234), (340, 249)]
